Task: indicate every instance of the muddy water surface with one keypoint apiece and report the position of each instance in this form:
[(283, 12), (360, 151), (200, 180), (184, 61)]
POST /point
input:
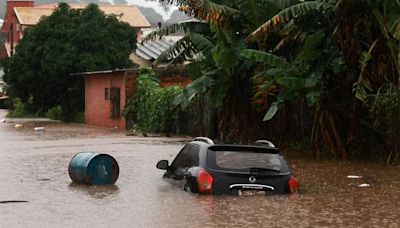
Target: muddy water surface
[(34, 168)]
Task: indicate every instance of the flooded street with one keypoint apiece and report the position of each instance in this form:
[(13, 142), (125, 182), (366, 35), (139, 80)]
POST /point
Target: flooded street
[(35, 169)]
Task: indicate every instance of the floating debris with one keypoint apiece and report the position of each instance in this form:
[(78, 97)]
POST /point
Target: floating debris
[(14, 201), (93, 168), (19, 126), (39, 129), (2, 120), (44, 179), (364, 185), (354, 177)]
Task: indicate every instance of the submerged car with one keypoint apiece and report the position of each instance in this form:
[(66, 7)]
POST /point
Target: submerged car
[(230, 169)]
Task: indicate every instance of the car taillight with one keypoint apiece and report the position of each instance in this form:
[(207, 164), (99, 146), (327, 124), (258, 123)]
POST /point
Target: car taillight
[(294, 185), (204, 182)]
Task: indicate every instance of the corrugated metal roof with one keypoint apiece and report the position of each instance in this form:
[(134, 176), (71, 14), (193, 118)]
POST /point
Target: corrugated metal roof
[(152, 49)]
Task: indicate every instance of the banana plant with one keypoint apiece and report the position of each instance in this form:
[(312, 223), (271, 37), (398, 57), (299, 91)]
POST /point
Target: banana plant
[(217, 67), (294, 78)]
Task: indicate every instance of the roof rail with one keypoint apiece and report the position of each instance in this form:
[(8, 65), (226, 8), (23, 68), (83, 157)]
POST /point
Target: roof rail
[(204, 139), (265, 143)]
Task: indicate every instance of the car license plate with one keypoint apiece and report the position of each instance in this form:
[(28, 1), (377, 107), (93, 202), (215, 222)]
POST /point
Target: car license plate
[(242, 192)]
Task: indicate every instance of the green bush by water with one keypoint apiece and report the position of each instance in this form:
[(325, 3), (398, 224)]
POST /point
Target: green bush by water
[(19, 110), (55, 113), (152, 109)]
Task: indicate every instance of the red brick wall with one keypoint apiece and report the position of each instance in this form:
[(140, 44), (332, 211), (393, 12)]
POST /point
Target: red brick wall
[(130, 83), (97, 108), (12, 18), (3, 52), (175, 81)]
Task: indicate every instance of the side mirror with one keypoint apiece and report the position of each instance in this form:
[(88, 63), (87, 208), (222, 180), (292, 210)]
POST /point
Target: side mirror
[(163, 164)]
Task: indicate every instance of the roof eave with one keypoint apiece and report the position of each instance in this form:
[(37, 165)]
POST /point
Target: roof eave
[(18, 16), (104, 72)]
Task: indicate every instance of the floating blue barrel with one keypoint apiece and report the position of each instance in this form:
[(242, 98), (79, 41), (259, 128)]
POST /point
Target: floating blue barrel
[(93, 168)]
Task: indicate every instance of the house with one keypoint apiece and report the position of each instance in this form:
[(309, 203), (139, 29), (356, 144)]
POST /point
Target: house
[(21, 14), (106, 93)]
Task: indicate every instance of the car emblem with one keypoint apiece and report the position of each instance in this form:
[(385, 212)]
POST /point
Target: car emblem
[(252, 179)]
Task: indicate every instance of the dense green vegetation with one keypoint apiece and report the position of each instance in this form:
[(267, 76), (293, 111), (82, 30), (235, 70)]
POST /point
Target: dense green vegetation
[(152, 109), (324, 71), (68, 41)]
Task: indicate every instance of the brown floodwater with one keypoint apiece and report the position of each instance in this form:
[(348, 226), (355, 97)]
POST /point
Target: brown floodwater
[(34, 168)]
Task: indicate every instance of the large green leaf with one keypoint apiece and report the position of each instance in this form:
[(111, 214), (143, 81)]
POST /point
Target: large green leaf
[(285, 16), (271, 111), (197, 87), (206, 10), (266, 58), (281, 4), (310, 51), (218, 92), (313, 97), (202, 44), (292, 83), (363, 82), (183, 50), (186, 27), (186, 49)]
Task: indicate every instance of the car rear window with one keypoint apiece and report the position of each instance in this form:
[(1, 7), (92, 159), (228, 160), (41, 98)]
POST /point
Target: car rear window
[(245, 160)]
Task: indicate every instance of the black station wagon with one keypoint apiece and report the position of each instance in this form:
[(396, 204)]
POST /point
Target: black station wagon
[(208, 168)]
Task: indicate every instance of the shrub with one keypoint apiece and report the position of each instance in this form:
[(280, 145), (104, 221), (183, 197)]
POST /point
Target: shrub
[(55, 113), (19, 109), (152, 108)]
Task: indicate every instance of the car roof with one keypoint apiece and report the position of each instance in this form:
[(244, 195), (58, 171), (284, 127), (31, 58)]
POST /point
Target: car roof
[(238, 147)]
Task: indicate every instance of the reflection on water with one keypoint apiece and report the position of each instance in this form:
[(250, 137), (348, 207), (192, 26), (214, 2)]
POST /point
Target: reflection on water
[(95, 191), (36, 170)]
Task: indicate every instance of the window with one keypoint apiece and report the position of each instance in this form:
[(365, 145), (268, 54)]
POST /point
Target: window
[(115, 102), (180, 158), (243, 161), (246, 160), (106, 94), (193, 156), (187, 158)]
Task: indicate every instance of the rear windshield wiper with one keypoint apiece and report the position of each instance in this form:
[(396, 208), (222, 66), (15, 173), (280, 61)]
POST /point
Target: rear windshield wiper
[(261, 170)]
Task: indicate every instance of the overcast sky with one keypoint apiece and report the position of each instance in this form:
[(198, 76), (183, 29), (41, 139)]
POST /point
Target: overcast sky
[(155, 5)]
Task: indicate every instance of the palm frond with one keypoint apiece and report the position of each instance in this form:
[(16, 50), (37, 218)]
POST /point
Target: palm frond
[(266, 58), (285, 16), (203, 44), (186, 49), (197, 87), (363, 84), (309, 51), (206, 10), (187, 27), (178, 53), (281, 4), (295, 37)]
